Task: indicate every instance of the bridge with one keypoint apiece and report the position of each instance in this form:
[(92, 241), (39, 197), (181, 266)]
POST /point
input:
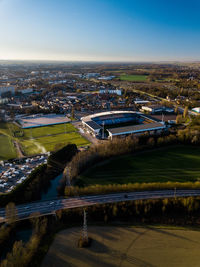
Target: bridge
[(48, 207)]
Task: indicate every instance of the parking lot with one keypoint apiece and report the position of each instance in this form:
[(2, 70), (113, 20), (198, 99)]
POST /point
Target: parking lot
[(12, 174)]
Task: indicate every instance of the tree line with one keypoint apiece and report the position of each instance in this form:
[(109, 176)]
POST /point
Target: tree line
[(172, 211)]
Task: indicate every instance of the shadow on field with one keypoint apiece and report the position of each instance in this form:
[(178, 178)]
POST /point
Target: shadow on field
[(98, 247), (171, 234)]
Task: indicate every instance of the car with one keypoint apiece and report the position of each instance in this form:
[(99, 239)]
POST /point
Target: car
[(51, 203)]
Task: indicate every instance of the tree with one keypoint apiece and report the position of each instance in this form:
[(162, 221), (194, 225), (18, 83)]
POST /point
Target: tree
[(11, 213), (178, 119), (185, 113), (72, 113), (176, 110), (60, 93)]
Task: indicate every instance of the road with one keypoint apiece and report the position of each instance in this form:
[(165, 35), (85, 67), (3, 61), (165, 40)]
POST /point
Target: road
[(49, 207)]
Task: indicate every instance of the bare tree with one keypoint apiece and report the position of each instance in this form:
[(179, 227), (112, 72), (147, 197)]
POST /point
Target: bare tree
[(11, 213)]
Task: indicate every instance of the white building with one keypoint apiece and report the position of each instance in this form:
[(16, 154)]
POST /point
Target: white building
[(196, 109), (157, 109), (109, 91)]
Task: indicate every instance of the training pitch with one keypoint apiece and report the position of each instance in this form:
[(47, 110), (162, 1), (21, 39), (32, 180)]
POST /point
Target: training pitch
[(37, 140), (127, 246)]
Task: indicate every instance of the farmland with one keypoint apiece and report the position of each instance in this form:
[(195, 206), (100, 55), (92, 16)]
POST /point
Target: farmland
[(37, 140), (175, 164), (126, 246), (133, 78)]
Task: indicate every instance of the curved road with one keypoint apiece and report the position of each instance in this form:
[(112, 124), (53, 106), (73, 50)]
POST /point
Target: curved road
[(49, 207)]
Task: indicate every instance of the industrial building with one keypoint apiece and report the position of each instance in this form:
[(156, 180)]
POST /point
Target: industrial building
[(154, 109)]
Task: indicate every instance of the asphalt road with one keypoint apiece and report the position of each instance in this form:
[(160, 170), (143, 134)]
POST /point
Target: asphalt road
[(40, 208)]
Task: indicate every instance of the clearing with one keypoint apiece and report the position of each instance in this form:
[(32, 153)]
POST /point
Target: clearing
[(126, 246)]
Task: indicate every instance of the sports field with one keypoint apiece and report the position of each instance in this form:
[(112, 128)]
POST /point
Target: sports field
[(49, 138), (52, 142), (178, 163), (126, 246), (37, 140), (133, 78)]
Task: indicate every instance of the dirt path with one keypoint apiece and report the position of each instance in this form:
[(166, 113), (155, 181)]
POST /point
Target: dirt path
[(18, 149)]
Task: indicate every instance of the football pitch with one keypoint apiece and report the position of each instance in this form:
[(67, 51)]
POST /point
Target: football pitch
[(174, 164)]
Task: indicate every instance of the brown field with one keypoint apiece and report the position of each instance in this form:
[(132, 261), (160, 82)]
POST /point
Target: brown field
[(126, 246)]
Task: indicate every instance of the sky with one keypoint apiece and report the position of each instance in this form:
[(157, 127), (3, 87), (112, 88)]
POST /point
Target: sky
[(100, 30)]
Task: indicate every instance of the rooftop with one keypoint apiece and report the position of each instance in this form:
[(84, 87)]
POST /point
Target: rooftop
[(136, 128)]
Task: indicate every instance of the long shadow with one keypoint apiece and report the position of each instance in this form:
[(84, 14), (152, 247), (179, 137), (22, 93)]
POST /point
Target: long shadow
[(170, 234), (131, 244), (81, 255), (130, 259)]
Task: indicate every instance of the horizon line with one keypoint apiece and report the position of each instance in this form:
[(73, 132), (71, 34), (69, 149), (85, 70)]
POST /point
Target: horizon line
[(100, 61)]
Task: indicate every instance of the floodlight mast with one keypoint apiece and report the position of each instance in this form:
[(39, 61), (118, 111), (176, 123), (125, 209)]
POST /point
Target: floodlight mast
[(103, 130)]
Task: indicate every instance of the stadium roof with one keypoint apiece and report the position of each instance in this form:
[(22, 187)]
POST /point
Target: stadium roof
[(93, 125), (109, 113), (136, 128)]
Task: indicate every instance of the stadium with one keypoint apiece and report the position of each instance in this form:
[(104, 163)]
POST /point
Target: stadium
[(120, 123)]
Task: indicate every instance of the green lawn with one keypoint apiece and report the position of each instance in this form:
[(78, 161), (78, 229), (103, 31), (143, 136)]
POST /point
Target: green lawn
[(180, 163), (133, 78), (7, 150)]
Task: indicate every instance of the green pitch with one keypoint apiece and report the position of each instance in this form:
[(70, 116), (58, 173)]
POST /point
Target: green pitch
[(133, 78), (175, 164)]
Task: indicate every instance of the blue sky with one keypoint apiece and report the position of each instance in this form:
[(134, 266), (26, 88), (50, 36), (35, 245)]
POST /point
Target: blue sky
[(100, 30)]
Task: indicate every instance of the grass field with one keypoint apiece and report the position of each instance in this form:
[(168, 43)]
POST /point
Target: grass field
[(48, 130), (50, 143), (180, 163), (7, 150), (133, 78), (37, 140), (126, 246)]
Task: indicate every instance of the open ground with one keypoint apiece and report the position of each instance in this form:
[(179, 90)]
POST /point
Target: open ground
[(126, 246), (133, 78), (175, 163)]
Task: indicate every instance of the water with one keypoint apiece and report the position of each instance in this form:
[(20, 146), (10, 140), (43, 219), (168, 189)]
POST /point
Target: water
[(52, 190), (23, 235)]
